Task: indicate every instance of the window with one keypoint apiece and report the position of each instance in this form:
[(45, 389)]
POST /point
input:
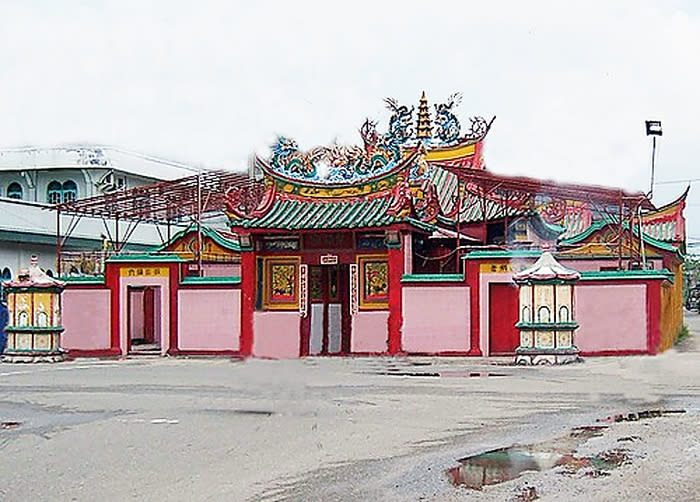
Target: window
[(57, 192), (70, 191), (14, 191), (54, 192), (6, 274)]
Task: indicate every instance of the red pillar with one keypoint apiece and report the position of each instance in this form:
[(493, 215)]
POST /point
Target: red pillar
[(471, 272), (174, 273), (653, 316), (395, 265), (112, 282), (247, 302)]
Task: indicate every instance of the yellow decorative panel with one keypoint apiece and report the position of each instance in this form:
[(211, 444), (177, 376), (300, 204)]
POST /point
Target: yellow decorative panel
[(450, 153), (42, 309), (142, 271), (11, 309), (564, 339), (374, 282), (495, 268), (544, 295), (23, 302), (564, 295), (42, 341), (23, 341), (545, 340), (281, 283), (525, 296), (526, 338)]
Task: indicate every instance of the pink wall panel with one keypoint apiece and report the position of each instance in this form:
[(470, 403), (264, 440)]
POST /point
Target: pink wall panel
[(136, 319), (221, 269), (429, 325), (276, 334), (610, 317), (86, 318), (209, 319), (369, 331)]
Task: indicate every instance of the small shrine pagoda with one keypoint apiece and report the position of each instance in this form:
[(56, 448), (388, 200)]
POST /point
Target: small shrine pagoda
[(34, 327), (547, 320)]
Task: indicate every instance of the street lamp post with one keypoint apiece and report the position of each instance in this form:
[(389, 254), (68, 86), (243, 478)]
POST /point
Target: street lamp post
[(653, 130)]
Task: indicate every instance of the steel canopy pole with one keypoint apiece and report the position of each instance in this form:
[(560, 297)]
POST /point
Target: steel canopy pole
[(58, 242), (199, 223)]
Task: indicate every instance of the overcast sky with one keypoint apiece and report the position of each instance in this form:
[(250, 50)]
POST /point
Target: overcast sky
[(209, 83)]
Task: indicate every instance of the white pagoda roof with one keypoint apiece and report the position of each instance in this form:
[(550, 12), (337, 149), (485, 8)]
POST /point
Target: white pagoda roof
[(547, 268)]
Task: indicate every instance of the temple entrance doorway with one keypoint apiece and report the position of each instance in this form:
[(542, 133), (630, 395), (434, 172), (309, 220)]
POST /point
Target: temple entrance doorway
[(329, 327), (143, 303)]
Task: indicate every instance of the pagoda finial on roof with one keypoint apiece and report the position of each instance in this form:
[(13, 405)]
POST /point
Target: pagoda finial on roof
[(424, 129)]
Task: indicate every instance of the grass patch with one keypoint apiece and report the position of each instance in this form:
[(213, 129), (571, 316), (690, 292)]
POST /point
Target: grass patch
[(681, 335)]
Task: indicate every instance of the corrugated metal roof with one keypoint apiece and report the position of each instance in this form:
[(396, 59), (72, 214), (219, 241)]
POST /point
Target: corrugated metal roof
[(294, 214), (472, 206), (85, 156)]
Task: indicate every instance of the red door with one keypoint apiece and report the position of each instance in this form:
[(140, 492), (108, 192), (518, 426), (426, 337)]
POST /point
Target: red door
[(503, 314)]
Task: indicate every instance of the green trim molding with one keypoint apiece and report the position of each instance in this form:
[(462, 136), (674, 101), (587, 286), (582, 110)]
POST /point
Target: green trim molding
[(616, 275), (34, 329), (432, 278), (546, 350), (503, 253), (83, 279), (196, 281), (547, 326), (128, 258)]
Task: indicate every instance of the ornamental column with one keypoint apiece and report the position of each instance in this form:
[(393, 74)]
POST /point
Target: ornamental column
[(547, 321)]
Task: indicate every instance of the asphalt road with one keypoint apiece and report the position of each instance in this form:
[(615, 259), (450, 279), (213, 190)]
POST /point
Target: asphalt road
[(318, 429)]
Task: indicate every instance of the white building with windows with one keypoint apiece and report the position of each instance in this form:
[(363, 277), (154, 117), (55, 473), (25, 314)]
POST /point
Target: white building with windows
[(32, 179)]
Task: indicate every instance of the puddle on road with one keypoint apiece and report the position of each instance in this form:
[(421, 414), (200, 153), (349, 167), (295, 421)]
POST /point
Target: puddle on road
[(505, 464), (238, 411), (640, 415), (444, 374), (9, 425)]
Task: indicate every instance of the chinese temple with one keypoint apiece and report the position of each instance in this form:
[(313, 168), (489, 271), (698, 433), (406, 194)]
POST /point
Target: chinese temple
[(405, 244)]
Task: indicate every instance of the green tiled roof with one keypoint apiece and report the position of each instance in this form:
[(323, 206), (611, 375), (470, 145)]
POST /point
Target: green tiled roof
[(215, 235), (146, 257), (293, 214), (603, 223)]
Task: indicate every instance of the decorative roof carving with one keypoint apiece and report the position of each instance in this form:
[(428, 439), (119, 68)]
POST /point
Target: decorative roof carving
[(382, 153)]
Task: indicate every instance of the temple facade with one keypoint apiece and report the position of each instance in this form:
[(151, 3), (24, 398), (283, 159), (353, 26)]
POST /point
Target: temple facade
[(404, 244)]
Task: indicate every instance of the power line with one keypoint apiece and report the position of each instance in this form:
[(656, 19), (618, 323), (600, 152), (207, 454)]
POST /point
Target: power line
[(671, 182)]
